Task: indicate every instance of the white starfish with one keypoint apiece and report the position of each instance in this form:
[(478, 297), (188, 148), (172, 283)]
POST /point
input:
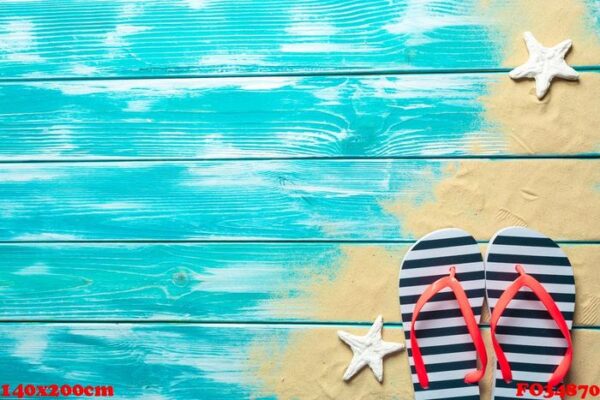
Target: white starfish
[(368, 350), (544, 64)]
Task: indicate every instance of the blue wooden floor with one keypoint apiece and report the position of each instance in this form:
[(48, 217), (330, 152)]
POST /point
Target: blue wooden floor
[(183, 182)]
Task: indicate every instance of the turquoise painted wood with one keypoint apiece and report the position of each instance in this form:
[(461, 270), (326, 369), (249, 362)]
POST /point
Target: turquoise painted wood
[(428, 115), (413, 115), (125, 38), (225, 200), (199, 282), (230, 282), (148, 361), (212, 200), (70, 38)]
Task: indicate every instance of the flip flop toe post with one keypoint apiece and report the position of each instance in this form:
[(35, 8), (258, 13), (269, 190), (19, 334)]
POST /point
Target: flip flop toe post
[(442, 289)]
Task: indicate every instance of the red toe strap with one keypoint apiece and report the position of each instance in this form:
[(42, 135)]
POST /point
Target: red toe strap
[(467, 313), (537, 288)]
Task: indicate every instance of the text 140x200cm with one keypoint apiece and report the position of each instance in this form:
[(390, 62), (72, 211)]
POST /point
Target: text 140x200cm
[(55, 390)]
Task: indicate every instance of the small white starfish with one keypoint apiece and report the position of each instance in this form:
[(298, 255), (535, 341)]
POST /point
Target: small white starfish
[(544, 64), (368, 350)]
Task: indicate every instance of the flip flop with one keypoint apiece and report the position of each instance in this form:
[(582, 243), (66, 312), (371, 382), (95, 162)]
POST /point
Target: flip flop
[(442, 288), (531, 294)]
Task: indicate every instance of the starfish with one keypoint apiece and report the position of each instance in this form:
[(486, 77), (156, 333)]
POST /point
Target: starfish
[(368, 350), (544, 64)]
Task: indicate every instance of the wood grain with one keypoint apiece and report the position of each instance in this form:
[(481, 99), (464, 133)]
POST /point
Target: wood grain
[(285, 282), (124, 38), (414, 115), (428, 115), (195, 361), (71, 38), (267, 200), (214, 282)]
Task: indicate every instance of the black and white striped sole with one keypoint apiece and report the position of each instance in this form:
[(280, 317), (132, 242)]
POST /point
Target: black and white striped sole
[(447, 348), (530, 339)]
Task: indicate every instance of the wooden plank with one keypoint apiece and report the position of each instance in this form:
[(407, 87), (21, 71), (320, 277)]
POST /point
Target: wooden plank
[(305, 282), (258, 117), (224, 282), (70, 38), (291, 117), (120, 38), (296, 199), (176, 361)]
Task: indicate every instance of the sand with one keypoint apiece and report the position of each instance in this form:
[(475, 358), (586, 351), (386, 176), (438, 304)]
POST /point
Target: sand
[(557, 197), (564, 122), (364, 287), (313, 362), (551, 21)]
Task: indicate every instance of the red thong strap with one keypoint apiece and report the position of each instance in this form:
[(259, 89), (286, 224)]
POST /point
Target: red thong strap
[(463, 302), (537, 288)]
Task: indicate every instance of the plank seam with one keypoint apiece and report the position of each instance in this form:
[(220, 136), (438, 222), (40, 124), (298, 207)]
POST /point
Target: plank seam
[(395, 325), (248, 241), (338, 73), (585, 156)]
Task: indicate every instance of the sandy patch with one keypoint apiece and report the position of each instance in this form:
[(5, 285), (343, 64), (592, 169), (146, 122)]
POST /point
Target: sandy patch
[(564, 122), (365, 286), (313, 363), (557, 197), (551, 21)]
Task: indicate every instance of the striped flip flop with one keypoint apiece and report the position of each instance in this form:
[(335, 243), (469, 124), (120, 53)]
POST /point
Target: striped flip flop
[(442, 288), (531, 294)]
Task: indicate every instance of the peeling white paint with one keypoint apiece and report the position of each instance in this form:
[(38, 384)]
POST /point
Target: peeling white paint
[(323, 47), (306, 21), (164, 87), (24, 58), (240, 279), (311, 29), (17, 42), (35, 269), (62, 136), (119, 205), (419, 87), (131, 9), (267, 83), (215, 146), (195, 4), (139, 105), (84, 70), (423, 16), (25, 173), (331, 95), (117, 37), (30, 344), (112, 331), (213, 365), (46, 236), (234, 172)]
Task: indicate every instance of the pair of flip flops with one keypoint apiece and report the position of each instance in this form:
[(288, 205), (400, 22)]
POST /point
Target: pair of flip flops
[(530, 288)]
